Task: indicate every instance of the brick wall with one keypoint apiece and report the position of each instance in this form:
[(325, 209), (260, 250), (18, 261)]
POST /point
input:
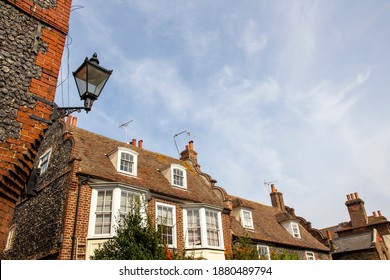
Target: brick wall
[(32, 38), (39, 220)]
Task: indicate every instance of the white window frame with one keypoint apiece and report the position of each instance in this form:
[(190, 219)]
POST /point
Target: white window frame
[(44, 161), (295, 230), (10, 238), (196, 230), (116, 189), (184, 176), (245, 222), (132, 153), (173, 208), (261, 249), (203, 228), (310, 256)]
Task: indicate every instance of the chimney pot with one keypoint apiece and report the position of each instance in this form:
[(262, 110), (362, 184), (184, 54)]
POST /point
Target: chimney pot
[(140, 143), (134, 142), (191, 145), (68, 119), (374, 214), (356, 195), (329, 235), (379, 213), (74, 121), (273, 189), (348, 197)]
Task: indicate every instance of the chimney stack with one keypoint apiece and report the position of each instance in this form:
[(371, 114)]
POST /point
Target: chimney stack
[(356, 210), (277, 198), (189, 153)]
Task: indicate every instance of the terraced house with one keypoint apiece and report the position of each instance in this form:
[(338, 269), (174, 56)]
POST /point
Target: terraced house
[(86, 181), (276, 230)]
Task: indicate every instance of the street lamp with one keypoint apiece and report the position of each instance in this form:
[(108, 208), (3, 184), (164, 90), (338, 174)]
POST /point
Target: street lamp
[(90, 80)]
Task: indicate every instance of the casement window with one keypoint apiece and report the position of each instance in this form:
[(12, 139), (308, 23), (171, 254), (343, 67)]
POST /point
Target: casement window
[(166, 222), (179, 176), (263, 252), (44, 161), (10, 238), (295, 230), (203, 228), (127, 161), (110, 204), (310, 255), (246, 219)]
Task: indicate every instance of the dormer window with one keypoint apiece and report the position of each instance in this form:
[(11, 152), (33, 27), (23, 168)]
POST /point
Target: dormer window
[(176, 174), (44, 161), (293, 228), (179, 176), (246, 218), (125, 161)]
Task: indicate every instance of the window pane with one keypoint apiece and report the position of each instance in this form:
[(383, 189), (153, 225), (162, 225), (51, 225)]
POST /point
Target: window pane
[(178, 177), (127, 162), (212, 228), (193, 228), (166, 223), (103, 212), (247, 220)]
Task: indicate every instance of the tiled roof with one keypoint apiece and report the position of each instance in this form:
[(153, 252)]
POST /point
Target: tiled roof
[(371, 221), (353, 243), (93, 149), (267, 228)]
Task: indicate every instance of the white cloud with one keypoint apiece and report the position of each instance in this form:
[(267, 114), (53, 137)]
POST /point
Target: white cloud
[(252, 40), (326, 102)]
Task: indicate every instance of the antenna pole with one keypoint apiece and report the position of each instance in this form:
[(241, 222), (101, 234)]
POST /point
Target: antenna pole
[(174, 140), (124, 126)]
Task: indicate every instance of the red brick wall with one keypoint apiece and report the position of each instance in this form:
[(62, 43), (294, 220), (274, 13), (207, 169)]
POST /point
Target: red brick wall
[(17, 152)]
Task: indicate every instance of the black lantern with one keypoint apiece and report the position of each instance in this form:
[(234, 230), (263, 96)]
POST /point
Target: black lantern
[(90, 79)]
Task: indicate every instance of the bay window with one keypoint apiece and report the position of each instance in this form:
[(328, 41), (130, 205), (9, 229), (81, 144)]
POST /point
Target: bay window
[(110, 203), (203, 227)]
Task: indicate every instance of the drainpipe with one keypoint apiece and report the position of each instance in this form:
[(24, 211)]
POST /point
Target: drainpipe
[(82, 181)]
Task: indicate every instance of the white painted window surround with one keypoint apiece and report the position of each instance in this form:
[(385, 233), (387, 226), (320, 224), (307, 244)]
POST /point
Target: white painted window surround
[(203, 227)]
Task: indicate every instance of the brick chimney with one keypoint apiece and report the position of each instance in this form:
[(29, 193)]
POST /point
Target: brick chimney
[(189, 153), (356, 209), (277, 198)]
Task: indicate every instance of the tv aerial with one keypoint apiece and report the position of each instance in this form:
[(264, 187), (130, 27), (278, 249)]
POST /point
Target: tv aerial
[(188, 133), (268, 184), (124, 126)]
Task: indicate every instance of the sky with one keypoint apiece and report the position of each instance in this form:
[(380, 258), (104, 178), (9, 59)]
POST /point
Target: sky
[(291, 92)]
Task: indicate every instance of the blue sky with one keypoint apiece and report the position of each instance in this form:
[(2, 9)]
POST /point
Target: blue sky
[(290, 91)]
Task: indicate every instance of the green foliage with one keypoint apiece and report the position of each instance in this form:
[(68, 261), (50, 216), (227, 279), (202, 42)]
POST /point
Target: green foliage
[(136, 239), (283, 256), (243, 249)]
